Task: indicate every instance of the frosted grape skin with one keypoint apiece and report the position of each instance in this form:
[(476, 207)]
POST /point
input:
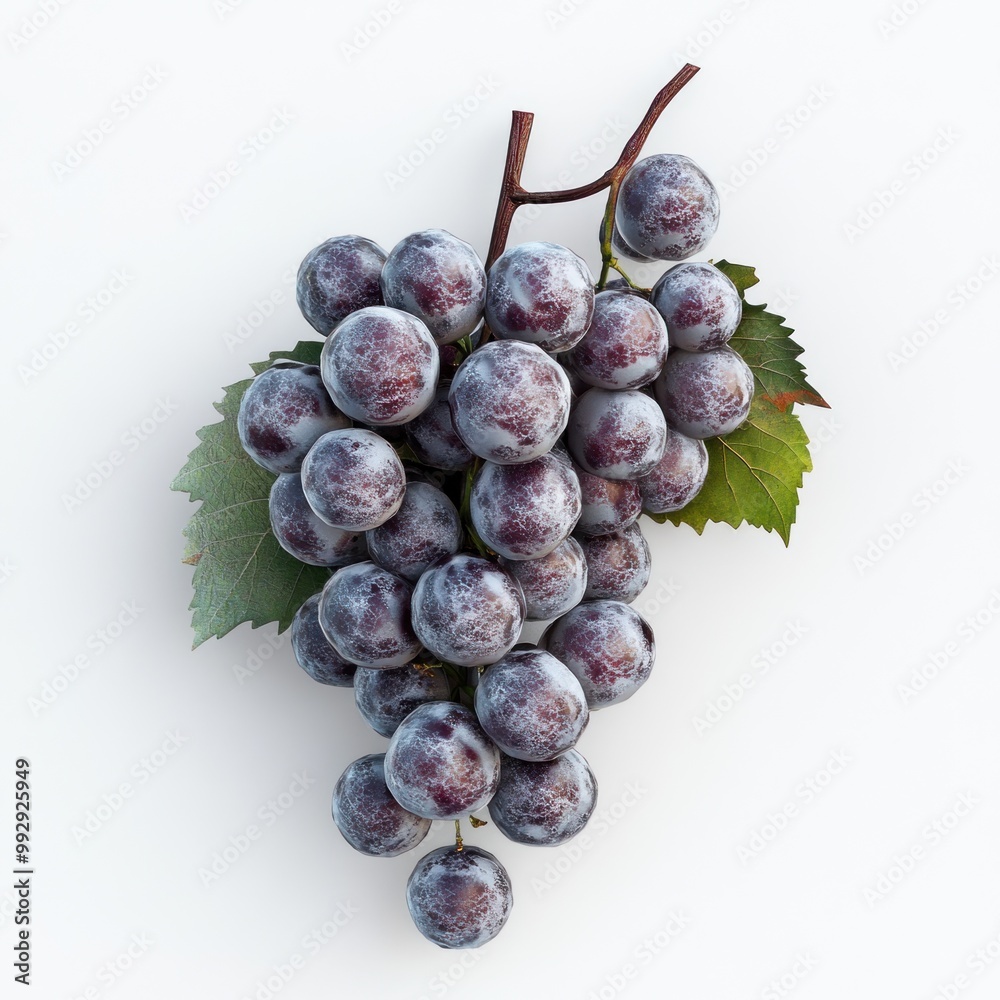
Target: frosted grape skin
[(542, 293), (524, 511), (667, 207), (337, 278), (705, 394), (367, 815), (364, 611), (301, 533), (314, 653), (353, 479), (544, 803), (425, 527), (433, 439), (552, 584), (467, 610), (608, 504), (386, 697), (438, 278), (700, 305), (678, 477), (616, 435), (531, 705), (440, 764), (618, 564), (459, 899), (608, 645), (510, 402), (283, 412), (381, 366)]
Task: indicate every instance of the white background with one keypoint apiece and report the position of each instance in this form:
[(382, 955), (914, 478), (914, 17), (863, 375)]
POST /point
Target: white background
[(859, 894)]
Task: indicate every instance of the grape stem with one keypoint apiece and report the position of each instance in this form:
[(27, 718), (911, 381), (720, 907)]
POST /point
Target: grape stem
[(513, 194)]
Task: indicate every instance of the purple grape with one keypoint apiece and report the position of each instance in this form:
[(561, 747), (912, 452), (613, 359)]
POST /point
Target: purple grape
[(617, 435), (381, 366), (302, 534), (531, 705), (544, 803), (425, 527), (284, 410), (353, 479), (700, 305), (608, 646), (386, 697), (467, 610), (667, 208), (314, 652), (459, 898), (440, 763), (339, 277), (370, 819), (551, 584), (510, 402), (625, 346), (438, 278), (678, 477), (618, 565), (621, 249), (608, 504), (364, 611), (705, 394), (541, 293), (433, 439), (524, 511)]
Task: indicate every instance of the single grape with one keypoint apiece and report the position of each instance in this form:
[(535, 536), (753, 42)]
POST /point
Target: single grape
[(617, 435), (524, 511), (531, 705), (625, 345), (544, 803), (381, 366), (510, 402), (667, 207), (618, 565), (438, 278), (302, 534), (386, 697), (425, 527), (542, 293), (353, 479), (433, 439), (551, 584), (705, 394), (440, 763), (608, 504), (459, 898), (337, 278), (700, 305), (284, 410), (678, 477), (370, 819), (314, 653), (467, 610), (607, 645), (364, 611)]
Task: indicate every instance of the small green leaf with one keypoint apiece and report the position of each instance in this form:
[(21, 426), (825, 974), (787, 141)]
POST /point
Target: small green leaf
[(754, 474), (767, 347), (241, 573)]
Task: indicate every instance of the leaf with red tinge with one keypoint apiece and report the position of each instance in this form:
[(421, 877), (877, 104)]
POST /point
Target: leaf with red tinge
[(766, 345), (241, 573)]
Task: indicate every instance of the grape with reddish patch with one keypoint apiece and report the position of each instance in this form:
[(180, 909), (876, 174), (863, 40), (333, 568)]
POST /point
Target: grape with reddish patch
[(433, 439), (618, 564), (301, 533), (701, 307), (608, 504), (678, 477), (337, 278), (552, 584), (314, 653), (617, 435), (386, 697)]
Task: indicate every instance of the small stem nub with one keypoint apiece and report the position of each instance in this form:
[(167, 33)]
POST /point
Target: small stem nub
[(458, 835)]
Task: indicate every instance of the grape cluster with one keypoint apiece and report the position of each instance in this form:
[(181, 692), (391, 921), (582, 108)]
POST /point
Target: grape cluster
[(472, 452)]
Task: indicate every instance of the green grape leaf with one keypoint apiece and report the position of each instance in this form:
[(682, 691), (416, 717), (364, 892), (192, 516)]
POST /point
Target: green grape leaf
[(767, 347), (241, 574), (754, 474)]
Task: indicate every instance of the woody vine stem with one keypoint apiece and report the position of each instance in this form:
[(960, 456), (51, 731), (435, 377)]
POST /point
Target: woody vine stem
[(513, 195)]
